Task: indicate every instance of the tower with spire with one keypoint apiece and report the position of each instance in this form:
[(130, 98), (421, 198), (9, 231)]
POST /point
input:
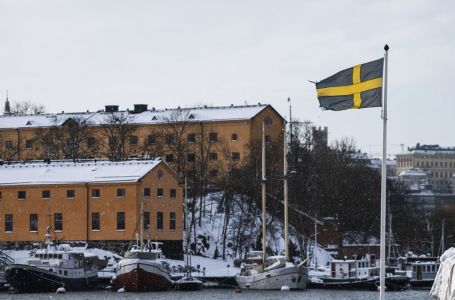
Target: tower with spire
[(7, 110)]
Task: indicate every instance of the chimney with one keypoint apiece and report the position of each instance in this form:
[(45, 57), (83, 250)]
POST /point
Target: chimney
[(111, 108), (138, 108)]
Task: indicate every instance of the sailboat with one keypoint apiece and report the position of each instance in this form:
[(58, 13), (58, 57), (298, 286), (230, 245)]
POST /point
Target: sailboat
[(143, 267), (273, 272), (188, 282)]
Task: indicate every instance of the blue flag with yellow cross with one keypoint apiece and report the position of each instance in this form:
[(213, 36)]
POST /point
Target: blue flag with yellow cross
[(356, 87)]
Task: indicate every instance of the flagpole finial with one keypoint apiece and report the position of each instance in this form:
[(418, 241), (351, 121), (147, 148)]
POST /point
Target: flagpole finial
[(386, 47)]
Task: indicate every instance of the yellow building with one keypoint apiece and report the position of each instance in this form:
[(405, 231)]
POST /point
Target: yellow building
[(435, 161), (181, 136), (92, 201)]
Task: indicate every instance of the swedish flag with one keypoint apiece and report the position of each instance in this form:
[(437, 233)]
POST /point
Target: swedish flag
[(356, 87)]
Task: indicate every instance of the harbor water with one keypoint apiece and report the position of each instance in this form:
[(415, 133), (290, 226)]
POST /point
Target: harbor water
[(224, 294)]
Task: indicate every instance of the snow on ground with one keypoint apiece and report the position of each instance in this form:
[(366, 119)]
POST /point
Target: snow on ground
[(213, 267)]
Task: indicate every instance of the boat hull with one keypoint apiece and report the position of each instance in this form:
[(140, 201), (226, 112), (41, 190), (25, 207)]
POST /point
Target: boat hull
[(142, 277), (30, 279), (341, 284), (294, 277), (195, 285), (424, 284), (397, 283)]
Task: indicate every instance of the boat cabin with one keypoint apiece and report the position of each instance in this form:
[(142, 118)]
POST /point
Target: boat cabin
[(353, 268)]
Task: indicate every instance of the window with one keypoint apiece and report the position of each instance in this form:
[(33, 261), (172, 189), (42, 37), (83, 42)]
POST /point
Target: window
[(28, 144), (169, 157), (213, 136), (0, 195), (159, 220), (146, 192), (8, 222), (21, 195), (120, 221), (235, 156), (169, 139), (151, 139), (268, 139), (191, 173), (146, 220), (91, 141), (191, 138), (213, 156), (133, 140), (213, 173), (58, 221), (159, 192), (234, 137), (267, 121), (120, 192), (46, 194), (173, 193), (9, 144), (191, 157), (172, 221), (96, 221), (96, 193), (33, 222), (70, 194)]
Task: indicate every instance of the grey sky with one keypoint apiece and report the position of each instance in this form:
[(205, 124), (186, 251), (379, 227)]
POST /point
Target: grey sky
[(79, 55)]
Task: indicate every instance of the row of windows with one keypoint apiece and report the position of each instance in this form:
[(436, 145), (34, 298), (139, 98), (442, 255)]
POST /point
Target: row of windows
[(33, 222), (441, 174), (28, 144), (96, 193), (96, 221), (192, 157)]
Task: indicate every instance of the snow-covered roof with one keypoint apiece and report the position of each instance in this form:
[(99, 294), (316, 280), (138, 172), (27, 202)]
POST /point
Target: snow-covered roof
[(75, 173), (413, 172), (197, 114)]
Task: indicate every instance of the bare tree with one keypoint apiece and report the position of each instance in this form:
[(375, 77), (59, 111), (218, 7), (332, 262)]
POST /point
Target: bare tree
[(73, 139), (27, 107), (116, 132)]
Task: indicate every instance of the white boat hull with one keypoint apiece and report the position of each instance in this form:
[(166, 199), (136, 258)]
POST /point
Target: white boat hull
[(294, 277)]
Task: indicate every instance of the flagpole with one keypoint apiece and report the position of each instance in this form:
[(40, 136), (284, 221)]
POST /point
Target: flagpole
[(383, 179)]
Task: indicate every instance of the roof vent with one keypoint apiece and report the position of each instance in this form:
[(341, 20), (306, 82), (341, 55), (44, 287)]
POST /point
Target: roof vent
[(153, 109), (111, 108), (138, 108), (191, 117), (29, 123), (154, 118)]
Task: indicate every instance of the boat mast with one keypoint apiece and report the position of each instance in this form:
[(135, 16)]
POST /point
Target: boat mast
[(187, 227), (141, 229), (263, 186), (389, 236), (285, 191)]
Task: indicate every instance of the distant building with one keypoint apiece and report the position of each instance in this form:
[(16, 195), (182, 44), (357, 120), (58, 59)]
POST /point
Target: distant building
[(98, 202), (437, 162), (320, 136), (414, 179)]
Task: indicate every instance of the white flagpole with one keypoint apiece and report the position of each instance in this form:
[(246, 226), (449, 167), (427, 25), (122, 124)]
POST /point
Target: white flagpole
[(383, 179)]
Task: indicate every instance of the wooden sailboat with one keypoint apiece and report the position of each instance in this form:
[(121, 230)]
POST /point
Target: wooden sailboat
[(275, 272)]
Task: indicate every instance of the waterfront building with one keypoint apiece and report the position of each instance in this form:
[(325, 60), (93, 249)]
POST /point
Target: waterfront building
[(98, 201)]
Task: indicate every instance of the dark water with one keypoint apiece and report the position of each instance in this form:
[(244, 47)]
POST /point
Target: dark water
[(225, 295)]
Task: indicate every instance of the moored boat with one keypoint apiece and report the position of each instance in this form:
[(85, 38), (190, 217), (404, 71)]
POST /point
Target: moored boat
[(56, 266), (143, 270), (348, 274)]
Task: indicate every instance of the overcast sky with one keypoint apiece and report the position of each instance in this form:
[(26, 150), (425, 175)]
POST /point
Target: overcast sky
[(79, 55)]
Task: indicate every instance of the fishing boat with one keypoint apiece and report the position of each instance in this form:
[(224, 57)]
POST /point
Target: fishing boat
[(422, 271), (55, 266), (273, 272), (143, 267)]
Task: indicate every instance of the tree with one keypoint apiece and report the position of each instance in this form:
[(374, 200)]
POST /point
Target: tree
[(116, 133), (71, 140), (27, 107)]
